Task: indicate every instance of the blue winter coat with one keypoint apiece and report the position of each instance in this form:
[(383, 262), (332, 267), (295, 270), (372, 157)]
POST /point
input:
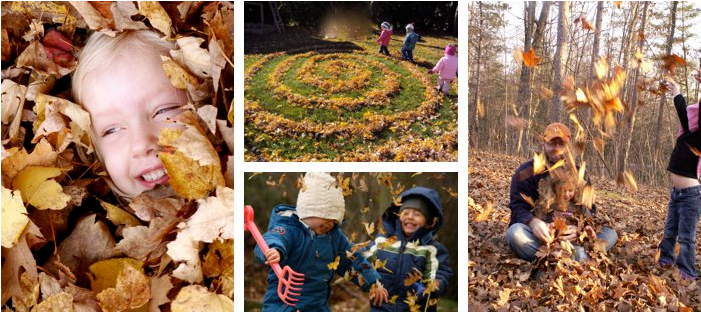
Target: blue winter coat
[(428, 256), (308, 253), (410, 40)]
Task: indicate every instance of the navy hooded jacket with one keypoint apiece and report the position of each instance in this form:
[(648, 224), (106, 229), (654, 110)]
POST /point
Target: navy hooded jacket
[(308, 253), (419, 251), (524, 182)]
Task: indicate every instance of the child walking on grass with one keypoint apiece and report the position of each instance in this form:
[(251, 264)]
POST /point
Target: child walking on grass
[(385, 37), (308, 239), (409, 43), (685, 201), (447, 68), (417, 267)]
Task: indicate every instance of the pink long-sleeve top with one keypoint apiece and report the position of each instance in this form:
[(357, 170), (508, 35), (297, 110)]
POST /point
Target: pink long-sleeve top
[(385, 36)]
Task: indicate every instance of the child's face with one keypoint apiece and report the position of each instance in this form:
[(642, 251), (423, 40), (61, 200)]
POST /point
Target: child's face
[(568, 193), (129, 101), (319, 225), (412, 220)]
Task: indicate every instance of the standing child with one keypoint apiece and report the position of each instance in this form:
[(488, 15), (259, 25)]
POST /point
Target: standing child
[(409, 43), (685, 201), (308, 238), (408, 249), (447, 68), (385, 37)]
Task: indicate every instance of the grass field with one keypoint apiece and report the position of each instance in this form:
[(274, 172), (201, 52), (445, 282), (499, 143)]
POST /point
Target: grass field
[(415, 124)]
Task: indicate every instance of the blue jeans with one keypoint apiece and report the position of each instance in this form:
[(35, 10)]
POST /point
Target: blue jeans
[(524, 244), (680, 227), (407, 54)]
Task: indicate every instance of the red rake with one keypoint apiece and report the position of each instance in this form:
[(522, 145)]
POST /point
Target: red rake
[(287, 278)]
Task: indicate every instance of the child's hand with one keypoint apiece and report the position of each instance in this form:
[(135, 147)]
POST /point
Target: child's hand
[(590, 231), (672, 86), (380, 296), (273, 256), (568, 234)]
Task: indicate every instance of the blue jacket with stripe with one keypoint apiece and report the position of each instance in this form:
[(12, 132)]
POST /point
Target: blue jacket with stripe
[(404, 256), (310, 254)]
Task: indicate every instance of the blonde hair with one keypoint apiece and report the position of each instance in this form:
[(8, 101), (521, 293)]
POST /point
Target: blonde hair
[(100, 51)]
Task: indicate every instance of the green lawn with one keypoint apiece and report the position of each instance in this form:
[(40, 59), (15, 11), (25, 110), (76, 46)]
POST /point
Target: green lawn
[(302, 146)]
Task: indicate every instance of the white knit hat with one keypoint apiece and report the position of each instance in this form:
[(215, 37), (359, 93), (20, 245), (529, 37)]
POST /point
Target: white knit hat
[(320, 197)]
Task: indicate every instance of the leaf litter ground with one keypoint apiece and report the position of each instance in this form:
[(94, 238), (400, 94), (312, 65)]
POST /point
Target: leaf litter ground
[(628, 278)]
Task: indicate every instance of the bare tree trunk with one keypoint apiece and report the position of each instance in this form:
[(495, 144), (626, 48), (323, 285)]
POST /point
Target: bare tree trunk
[(668, 51), (630, 125), (560, 60), (478, 72), (597, 38), (532, 40)]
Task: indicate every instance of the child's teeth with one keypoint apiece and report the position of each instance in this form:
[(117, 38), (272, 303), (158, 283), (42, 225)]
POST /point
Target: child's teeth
[(154, 175)]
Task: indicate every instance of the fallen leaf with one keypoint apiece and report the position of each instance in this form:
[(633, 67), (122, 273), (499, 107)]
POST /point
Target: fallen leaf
[(334, 265), (158, 17), (118, 216), (195, 298), (160, 286), (486, 211), (59, 302), (214, 217), (42, 155), (15, 259), (39, 189), (14, 217), (185, 249), (131, 291), (190, 160), (197, 59), (218, 263), (178, 76), (90, 241), (144, 243)]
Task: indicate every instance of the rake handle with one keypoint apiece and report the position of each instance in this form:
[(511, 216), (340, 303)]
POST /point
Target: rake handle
[(250, 226)]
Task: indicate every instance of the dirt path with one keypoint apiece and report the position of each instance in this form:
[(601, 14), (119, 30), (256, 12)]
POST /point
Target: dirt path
[(627, 279)]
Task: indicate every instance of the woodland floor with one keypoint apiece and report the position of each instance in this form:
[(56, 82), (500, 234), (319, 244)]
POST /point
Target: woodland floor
[(628, 279)]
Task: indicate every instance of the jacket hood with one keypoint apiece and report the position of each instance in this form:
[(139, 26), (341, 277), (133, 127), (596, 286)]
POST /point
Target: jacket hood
[(390, 218), (450, 50)]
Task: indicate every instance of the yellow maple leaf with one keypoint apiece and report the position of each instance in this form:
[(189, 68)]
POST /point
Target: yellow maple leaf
[(369, 227), (190, 160), (14, 217), (379, 264), (414, 276), (334, 265), (39, 189)]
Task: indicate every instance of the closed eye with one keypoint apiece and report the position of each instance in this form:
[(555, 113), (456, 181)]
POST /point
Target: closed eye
[(110, 131)]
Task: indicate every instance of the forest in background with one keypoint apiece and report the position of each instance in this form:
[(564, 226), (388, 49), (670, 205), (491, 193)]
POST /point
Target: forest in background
[(515, 92)]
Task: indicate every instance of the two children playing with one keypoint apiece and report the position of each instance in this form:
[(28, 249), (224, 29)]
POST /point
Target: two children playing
[(447, 66), (308, 237)]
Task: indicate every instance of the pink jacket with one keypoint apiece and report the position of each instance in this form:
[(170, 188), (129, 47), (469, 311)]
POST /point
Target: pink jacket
[(447, 67), (692, 113), (385, 36)]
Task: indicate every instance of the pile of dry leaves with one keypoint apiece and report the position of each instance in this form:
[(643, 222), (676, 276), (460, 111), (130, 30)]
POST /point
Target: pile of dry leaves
[(625, 279), (68, 243)]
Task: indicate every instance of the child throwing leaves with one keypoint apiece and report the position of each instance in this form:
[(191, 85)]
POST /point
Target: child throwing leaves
[(409, 43), (309, 240), (447, 68), (685, 201), (416, 267), (561, 201), (385, 37)]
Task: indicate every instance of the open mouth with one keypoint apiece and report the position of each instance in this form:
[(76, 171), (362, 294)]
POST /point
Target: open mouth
[(153, 175), (149, 179)]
